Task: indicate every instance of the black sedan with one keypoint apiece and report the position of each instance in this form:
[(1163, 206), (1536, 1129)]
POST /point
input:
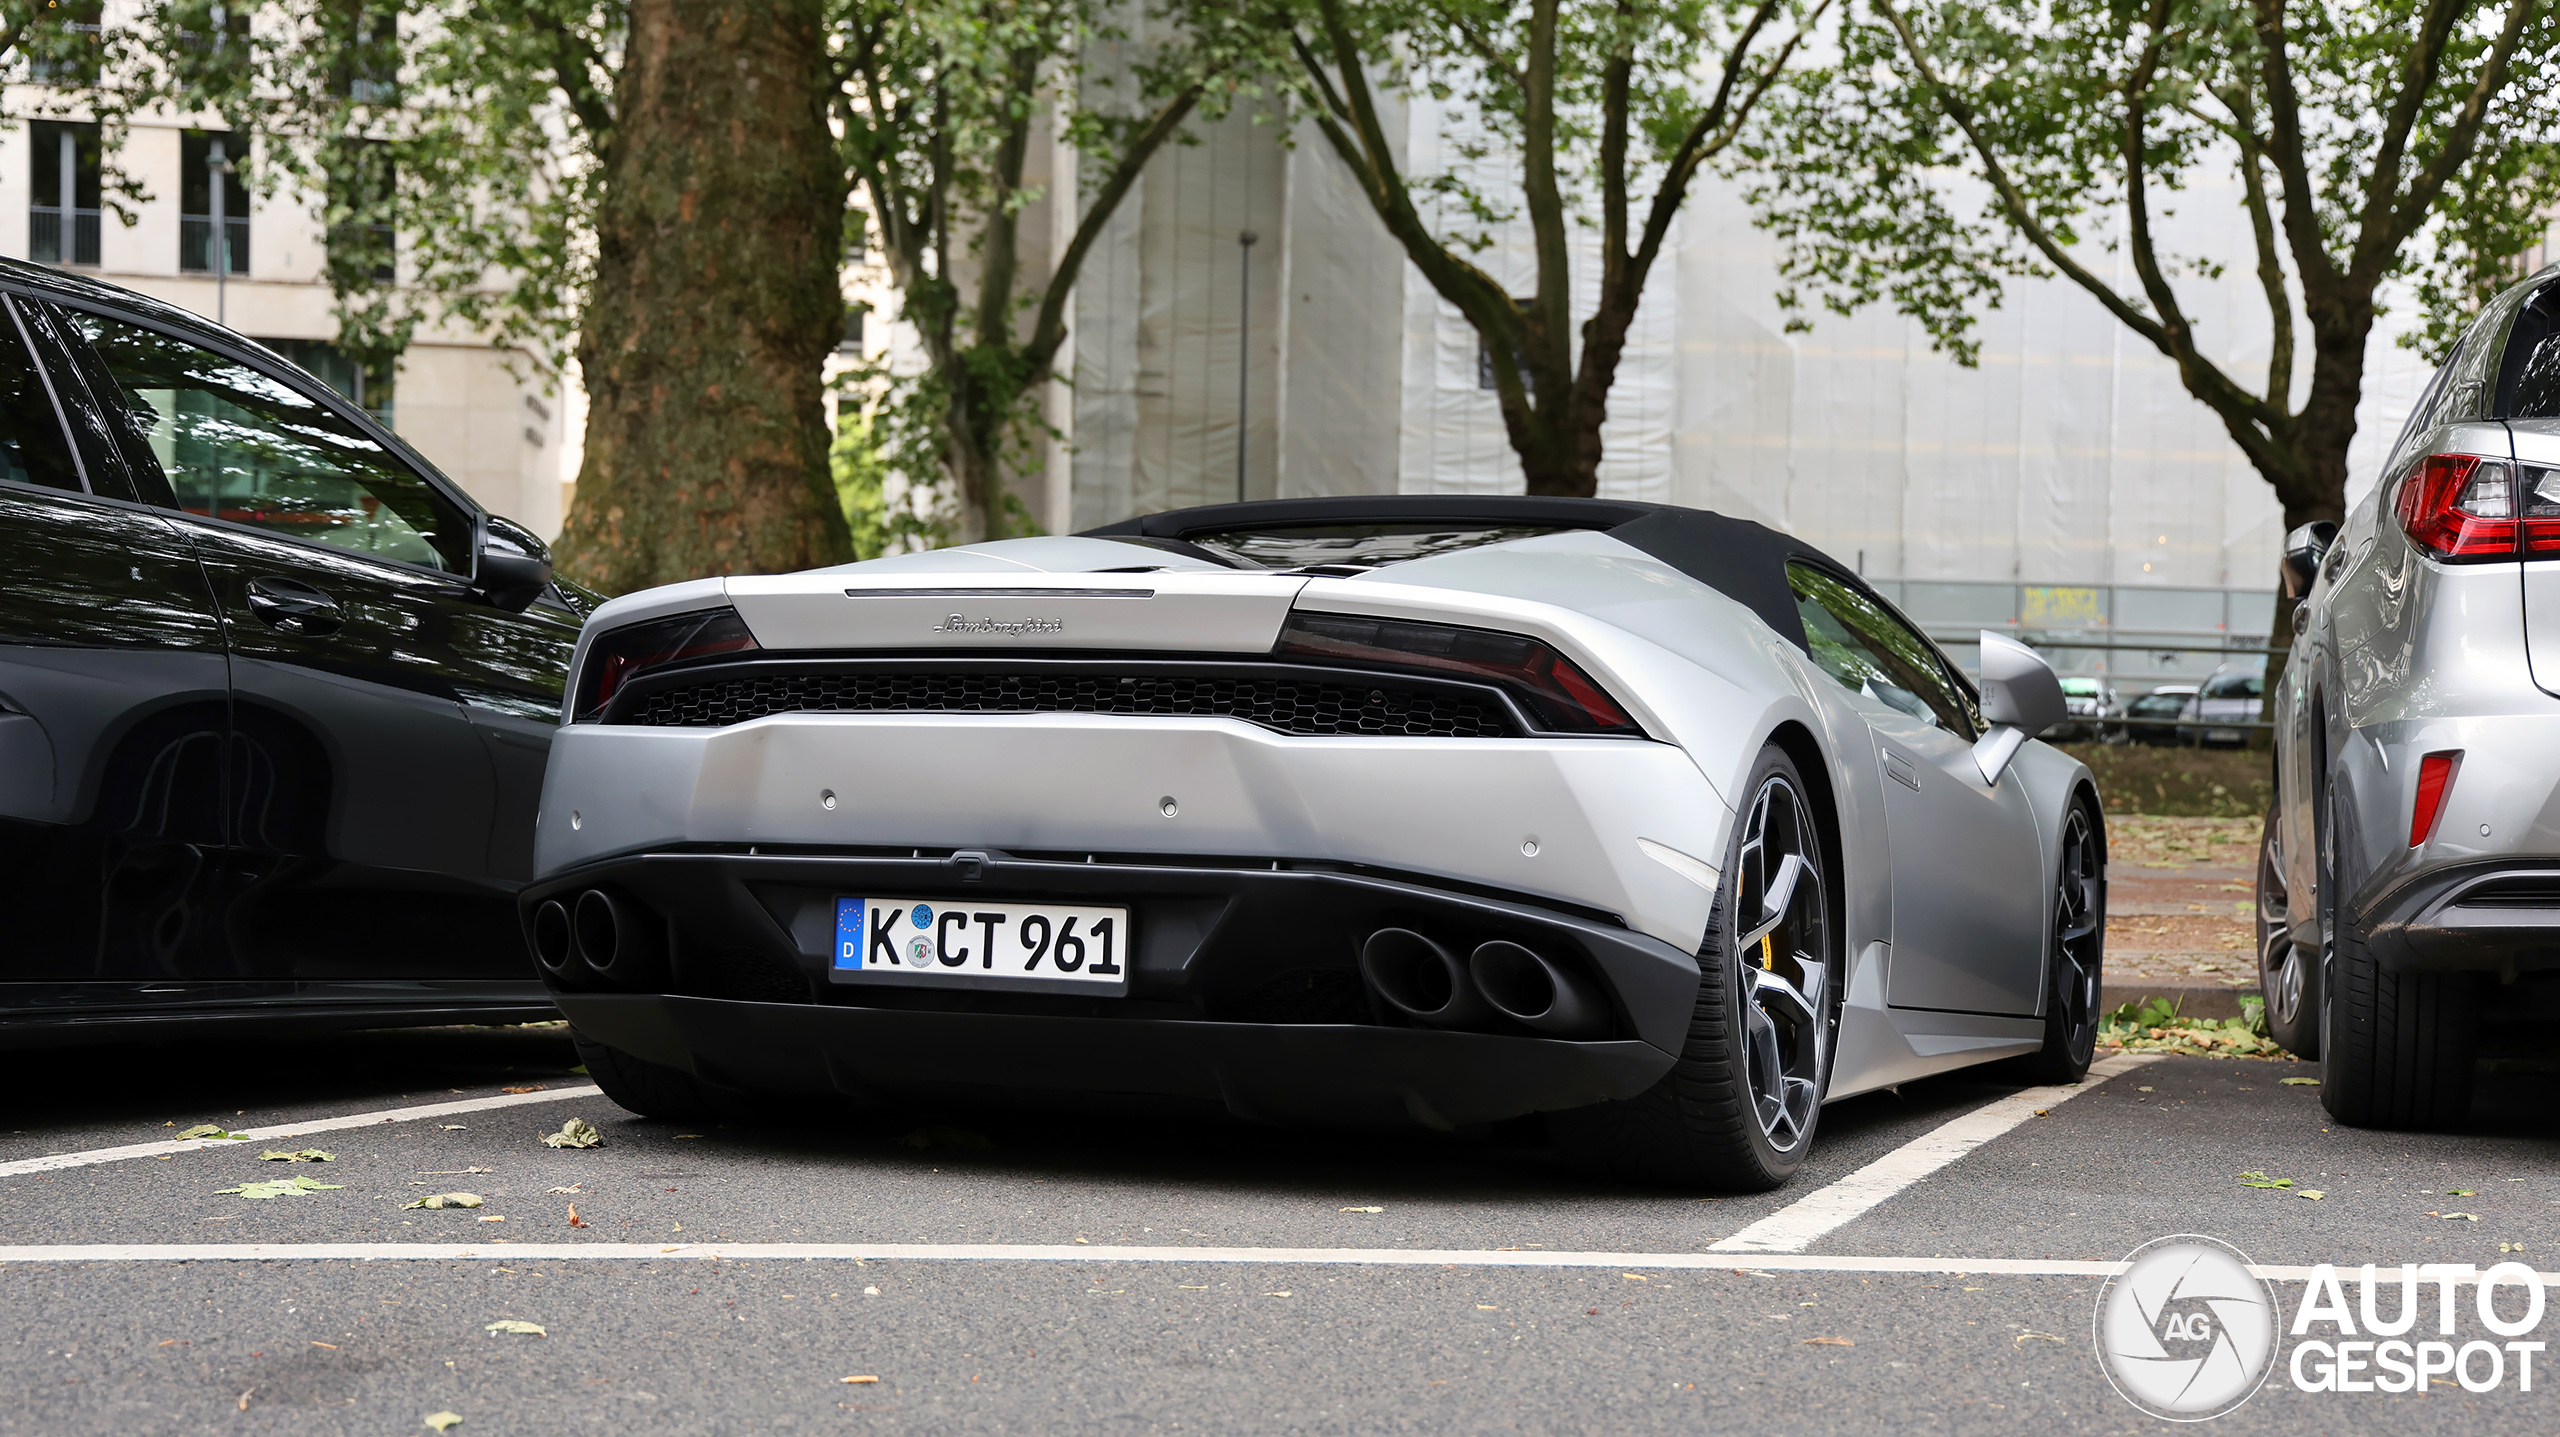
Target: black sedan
[(275, 696)]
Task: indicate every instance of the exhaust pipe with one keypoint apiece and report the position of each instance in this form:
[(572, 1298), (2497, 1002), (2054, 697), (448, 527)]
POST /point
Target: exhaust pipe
[(1421, 979), (618, 942), (1528, 989), (552, 945)]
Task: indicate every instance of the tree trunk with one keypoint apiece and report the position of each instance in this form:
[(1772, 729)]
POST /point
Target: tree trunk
[(719, 238)]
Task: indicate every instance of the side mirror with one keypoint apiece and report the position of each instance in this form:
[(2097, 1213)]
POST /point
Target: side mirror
[(2304, 548), (2020, 697), (512, 568)]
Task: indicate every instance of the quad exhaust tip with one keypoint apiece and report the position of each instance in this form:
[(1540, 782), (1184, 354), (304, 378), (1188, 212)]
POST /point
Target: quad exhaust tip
[(551, 941), (1426, 982)]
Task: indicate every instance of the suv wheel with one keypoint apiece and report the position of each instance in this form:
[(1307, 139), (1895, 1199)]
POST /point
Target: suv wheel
[(2288, 972), (2396, 1049)]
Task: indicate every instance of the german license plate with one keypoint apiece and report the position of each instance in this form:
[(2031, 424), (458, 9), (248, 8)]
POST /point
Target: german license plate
[(2223, 735), (938, 943)]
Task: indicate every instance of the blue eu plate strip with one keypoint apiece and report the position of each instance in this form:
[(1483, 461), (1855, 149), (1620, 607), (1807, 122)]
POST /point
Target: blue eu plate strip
[(849, 935)]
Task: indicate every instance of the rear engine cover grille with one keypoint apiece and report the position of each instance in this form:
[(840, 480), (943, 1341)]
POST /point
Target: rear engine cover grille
[(1289, 705)]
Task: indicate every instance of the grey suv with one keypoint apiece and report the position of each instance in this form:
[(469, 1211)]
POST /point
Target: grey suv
[(2409, 879)]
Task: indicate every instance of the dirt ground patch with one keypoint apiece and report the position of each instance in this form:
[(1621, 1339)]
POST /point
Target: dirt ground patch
[(2179, 782)]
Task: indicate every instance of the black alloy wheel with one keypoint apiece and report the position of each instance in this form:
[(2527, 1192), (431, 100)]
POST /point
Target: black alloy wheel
[(1738, 1109), (2075, 965)]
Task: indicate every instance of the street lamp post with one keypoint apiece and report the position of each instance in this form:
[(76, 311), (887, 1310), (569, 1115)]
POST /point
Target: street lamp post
[(1244, 347)]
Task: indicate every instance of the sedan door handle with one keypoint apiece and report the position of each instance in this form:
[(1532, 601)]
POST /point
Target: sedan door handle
[(294, 607)]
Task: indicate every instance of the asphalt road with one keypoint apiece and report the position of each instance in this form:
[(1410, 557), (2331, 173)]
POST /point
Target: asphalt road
[(137, 1344)]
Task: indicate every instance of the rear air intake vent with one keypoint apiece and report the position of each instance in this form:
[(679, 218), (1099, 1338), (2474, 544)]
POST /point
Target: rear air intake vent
[(1286, 704)]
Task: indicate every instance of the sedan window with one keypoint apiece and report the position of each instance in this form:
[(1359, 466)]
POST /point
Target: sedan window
[(31, 447), (243, 446)]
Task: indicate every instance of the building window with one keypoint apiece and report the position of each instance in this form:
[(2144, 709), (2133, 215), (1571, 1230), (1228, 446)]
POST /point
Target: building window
[(203, 158), (369, 385), (62, 220), (854, 310)]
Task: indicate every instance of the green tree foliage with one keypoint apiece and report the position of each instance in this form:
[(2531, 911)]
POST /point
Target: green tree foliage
[(1951, 145), (939, 103), (1592, 102)]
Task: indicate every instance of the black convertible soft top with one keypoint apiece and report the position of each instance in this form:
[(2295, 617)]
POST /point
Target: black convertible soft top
[(1744, 561)]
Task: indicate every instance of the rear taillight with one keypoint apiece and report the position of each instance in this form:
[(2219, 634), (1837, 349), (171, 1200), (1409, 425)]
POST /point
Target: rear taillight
[(2435, 779), (1558, 694), (2463, 507), (620, 655)]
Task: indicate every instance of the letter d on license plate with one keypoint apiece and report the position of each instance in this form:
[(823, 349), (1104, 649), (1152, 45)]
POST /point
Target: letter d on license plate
[(934, 943)]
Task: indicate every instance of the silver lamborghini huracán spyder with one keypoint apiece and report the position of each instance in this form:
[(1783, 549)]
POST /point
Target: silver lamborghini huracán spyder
[(1400, 810)]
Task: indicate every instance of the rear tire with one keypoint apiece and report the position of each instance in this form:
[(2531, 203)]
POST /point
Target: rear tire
[(2399, 1047), (2396, 1049), (654, 1090), (1738, 1109), (2288, 972)]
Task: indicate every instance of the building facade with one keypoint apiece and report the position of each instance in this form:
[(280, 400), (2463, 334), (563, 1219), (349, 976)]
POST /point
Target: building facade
[(204, 241)]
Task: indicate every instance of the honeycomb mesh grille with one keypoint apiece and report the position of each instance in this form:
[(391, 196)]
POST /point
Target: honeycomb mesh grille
[(1289, 705)]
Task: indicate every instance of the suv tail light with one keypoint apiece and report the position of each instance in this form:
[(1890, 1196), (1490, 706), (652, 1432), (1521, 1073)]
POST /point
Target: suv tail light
[(1556, 693), (620, 655), (2464, 508)]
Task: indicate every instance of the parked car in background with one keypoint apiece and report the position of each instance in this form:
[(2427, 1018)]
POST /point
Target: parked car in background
[(275, 696), (2091, 702), (2153, 718), (2228, 703)]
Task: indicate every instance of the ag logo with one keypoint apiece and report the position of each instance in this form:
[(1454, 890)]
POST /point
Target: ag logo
[(2186, 1331)]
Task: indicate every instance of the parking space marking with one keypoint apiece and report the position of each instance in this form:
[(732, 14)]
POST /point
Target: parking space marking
[(58, 1161), (861, 1252), (1817, 1214)]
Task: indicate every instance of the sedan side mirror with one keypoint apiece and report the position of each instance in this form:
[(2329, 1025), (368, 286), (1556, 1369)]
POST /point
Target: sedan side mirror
[(512, 568), (2304, 548), (2020, 697)]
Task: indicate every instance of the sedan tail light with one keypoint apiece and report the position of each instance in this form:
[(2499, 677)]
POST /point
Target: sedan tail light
[(1558, 694), (2465, 508), (620, 655)]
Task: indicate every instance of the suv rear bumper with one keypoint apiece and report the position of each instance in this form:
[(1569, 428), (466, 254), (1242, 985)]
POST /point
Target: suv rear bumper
[(2498, 916)]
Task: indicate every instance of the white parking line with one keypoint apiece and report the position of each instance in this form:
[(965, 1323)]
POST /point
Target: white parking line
[(58, 1161), (1801, 1223), (524, 1252)]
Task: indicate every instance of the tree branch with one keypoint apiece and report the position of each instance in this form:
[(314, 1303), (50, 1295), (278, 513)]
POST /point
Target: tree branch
[(2466, 131), (1049, 330)]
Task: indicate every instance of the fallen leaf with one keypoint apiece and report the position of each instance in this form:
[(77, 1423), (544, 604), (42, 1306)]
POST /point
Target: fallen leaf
[(2312, 1193), (457, 1127), (865, 1378), (307, 1155), (1363, 1209), (1277, 1294), (514, 1324), (493, 1219), (1826, 1342), (439, 1200), (942, 1137), (244, 1397), (2462, 1217), (281, 1187), (2261, 1180), (571, 1188), (1635, 1277), (2044, 1112), (2511, 1247), (2146, 1090), (442, 1421), (330, 1345), (2299, 1082), (575, 1220), (2038, 1336), (575, 1133), (209, 1130), (2462, 1192), (528, 1088)]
